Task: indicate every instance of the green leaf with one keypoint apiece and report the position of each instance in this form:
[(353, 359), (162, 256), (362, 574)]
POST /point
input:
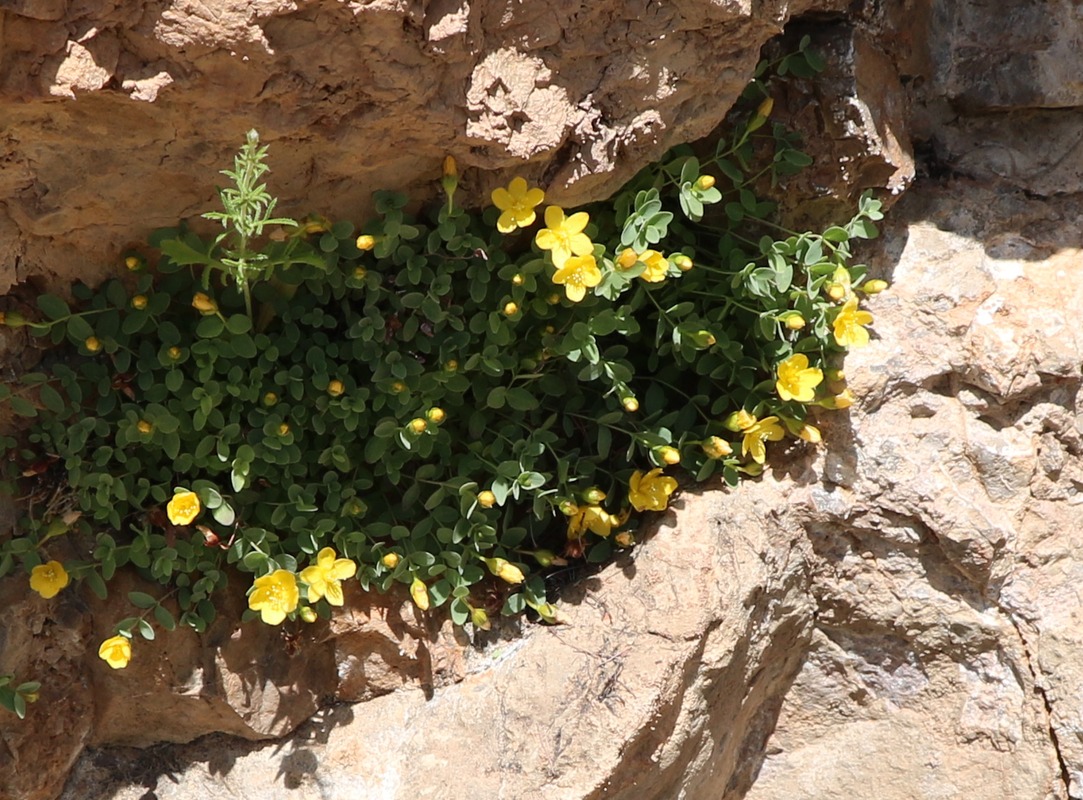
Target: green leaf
[(521, 399), (164, 618), (52, 400), (141, 600), (23, 407), (53, 307)]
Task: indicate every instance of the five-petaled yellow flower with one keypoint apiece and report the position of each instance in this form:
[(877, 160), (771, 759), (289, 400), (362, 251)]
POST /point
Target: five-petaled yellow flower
[(848, 325), (49, 578), (577, 275), (650, 492), (564, 236), (766, 429), (183, 508), (324, 578), (516, 204), (797, 380), (591, 518), (116, 651), (274, 596), (657, 266)]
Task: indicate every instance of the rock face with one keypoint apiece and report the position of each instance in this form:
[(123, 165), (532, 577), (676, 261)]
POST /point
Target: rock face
[(117, 115)]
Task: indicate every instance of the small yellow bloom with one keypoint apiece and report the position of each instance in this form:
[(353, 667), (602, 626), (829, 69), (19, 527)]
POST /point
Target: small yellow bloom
[(420, 594), (755, 434), (577, 275), (116, 651), (144, 427), (324, 578), (844, 399), (390, 560), (670, 455), (716, 447), (630, 404), (436, 415), (650, 492), (49, 578), (270, 399), (849, 330), (359, 273), (511, 309), (795, 321), (139, 302), (183, 508), (516, 204), (133, 263), (517, 280), (553, 299), (175, 353), (564, 237), (505, 570), (275, 595), (365, 242), (657, 266), (683, 262), (627, 258), (486, 499), (704, 182), (796, 380), (418, 425), (308, 614), (204, 304), (591, 518), (336, 388), (874, 286), (810, 433), (283, 429), (398, 387), (451, 366), (92, 344)]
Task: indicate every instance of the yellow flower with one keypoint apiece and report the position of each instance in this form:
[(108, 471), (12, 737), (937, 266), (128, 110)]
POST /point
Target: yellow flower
[(755, 435), (92, 344), (810, 433), (577, 275), (738, 421), (874, 286), (275, 595), (511, 309), (283, 429), (670, 455), (308, 614), (365, 242), (704, 182), (335, 388), (630, 404), (116, 651), (436, 415), (144, 427), (325, 577), (505, 570), (516, 204), (183, 508), (486, 499), (657, 266), (716, 447), (591, 518), (794, 321), (203, 304), (848, 325), (175, 353), (683, 263), (133, 263), (49, 578), (650, 492), (418, 425), (479, 618), (390, 560), (420, 593), (796, 380), (139, 302), (627, 258), (564, 236)]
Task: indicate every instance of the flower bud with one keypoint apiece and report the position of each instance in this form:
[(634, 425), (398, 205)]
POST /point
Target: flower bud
[(390, 560), (794, 321), (874, 286), (703, 339), (548, 558), (568, 507), (13, 319), (451, 169), (844, 399), (365, 242), (92, 344), (418, 425), (683, 262), (505, 570), (133, 263), (270, 399), (204, 304), (307, 614), (594, 495), (631, 405), (144, 427), (356, 508), (766, 107), (669, 455), (335, 388), (479, 618), (398, 387), (553, 299), (435, 415), (511, 309), (704, 182), (835, 375), (451, 366), (174, 353), (359, 273), (283, 429), (517, 280), (486, 499), (836, 291), (717, 447), (625, 539), (627, 258), (139, 302), (420, 594), (738, 421), (810, 433)]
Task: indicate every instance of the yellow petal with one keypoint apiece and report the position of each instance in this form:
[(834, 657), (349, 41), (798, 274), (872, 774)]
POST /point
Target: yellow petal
[(501, 198)]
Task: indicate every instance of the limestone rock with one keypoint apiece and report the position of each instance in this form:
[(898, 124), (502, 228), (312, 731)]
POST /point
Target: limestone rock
[(107, 104)]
